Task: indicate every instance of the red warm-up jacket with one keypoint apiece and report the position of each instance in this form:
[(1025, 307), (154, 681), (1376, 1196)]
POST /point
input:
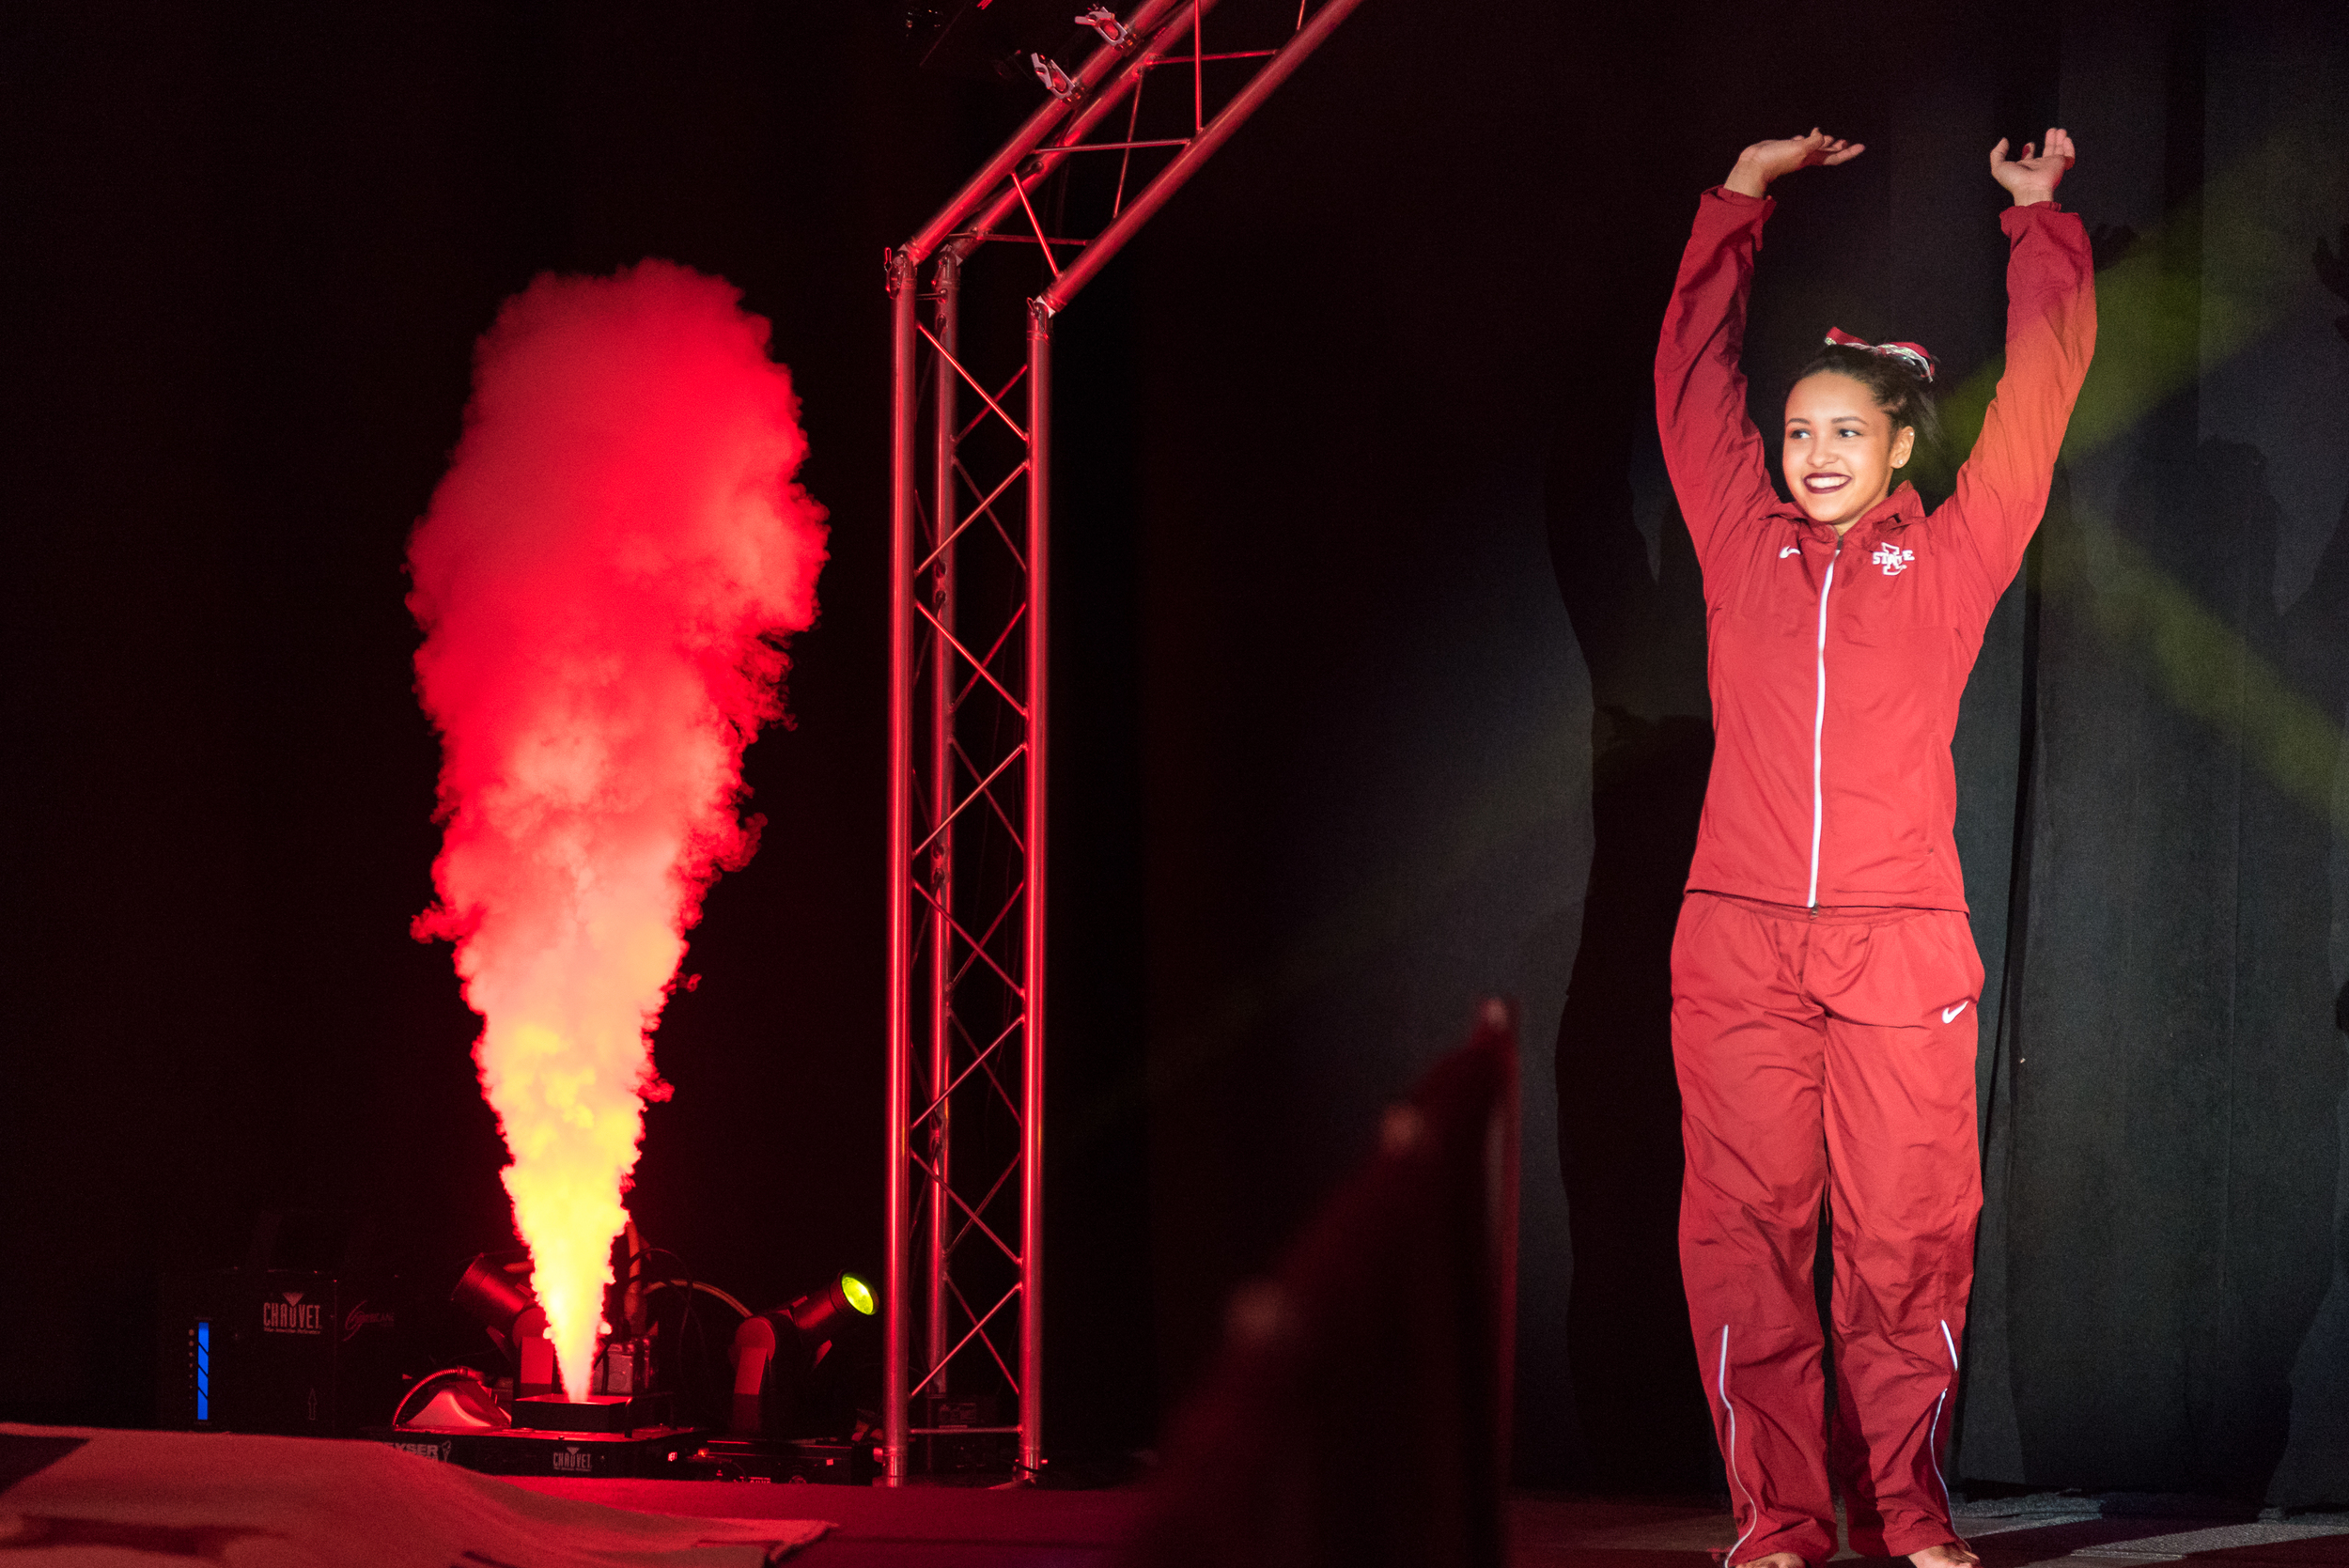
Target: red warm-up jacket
[(1836, 666)]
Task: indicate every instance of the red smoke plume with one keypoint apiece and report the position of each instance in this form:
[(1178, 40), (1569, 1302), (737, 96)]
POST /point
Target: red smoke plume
[(603, 579)]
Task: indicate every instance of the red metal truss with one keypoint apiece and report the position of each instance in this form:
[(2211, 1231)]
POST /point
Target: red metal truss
[(970, 579)]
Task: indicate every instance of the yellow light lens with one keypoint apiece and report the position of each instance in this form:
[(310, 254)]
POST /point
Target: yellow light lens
[(860, 1295)]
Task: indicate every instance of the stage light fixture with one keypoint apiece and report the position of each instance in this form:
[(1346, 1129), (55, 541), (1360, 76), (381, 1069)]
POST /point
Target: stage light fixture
[(821, 1315), (776, 1352), (492, 1295)]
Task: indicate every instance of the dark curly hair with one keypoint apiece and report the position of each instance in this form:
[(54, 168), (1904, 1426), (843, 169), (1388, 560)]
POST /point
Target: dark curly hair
[(1898, 389)]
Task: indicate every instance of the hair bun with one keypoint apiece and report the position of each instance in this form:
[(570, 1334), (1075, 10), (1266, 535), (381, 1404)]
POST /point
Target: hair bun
[(1911, 354)]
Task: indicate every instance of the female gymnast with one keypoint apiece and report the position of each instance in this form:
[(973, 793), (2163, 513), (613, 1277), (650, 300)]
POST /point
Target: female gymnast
[(1824, 983)]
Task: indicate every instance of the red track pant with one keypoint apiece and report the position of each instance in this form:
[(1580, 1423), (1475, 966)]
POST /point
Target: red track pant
[(1827, 1051)]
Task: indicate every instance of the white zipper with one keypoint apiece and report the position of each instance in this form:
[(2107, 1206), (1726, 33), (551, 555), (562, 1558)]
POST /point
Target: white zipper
[(1818, 731)]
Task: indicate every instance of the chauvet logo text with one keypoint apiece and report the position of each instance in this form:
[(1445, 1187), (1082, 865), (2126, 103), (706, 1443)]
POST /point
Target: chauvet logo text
[(291, 1315)]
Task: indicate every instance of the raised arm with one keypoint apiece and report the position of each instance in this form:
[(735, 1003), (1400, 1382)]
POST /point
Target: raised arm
[(1718, 469), (2050, 338)]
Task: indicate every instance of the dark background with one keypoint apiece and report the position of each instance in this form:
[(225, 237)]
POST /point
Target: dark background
[(1382, 668)]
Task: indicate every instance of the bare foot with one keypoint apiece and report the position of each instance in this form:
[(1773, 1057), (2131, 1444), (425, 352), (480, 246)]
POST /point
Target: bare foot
[(1774, 1559), (1950, 1554)]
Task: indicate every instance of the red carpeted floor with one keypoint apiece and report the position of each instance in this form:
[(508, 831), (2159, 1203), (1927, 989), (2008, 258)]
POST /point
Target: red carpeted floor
[(944, 1527), (909, 1526), (128, 1498)]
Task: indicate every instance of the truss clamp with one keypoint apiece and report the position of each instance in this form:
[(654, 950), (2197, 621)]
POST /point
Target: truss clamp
[(1113, 32), (1057, 81)]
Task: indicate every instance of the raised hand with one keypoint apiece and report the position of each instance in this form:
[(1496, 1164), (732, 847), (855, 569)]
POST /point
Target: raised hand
[(2034, 177), (1766, 161)]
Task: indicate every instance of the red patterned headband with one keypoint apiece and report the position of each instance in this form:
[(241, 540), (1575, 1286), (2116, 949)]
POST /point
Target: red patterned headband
[(1912, 354)]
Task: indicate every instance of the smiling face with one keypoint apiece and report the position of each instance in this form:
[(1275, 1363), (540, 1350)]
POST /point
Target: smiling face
[(1841, 448)]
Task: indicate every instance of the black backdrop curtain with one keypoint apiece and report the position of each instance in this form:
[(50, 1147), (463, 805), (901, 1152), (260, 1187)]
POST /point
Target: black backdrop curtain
[(2162, 1304)]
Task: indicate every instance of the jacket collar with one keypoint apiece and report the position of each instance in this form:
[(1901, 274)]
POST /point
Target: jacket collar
[(1896, 511)]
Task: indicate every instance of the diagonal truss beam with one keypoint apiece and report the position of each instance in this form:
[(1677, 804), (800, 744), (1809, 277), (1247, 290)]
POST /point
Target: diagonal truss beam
[(1275, 71)]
